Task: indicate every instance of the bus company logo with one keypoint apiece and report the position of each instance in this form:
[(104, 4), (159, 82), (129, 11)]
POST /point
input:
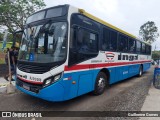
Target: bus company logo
[(110, 56)]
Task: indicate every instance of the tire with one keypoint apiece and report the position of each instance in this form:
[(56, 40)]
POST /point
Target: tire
[(100, 84), (140, 71)]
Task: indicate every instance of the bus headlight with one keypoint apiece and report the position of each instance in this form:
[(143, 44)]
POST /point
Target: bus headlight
[(47, 82), (57, 77), (52, 80)]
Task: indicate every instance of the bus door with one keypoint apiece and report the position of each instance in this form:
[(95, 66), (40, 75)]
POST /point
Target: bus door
[(87, 49), (17, 36), (82, 50)]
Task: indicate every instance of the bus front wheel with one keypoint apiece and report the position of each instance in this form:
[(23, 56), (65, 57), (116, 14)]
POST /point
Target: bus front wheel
[(140, 71), (100, 84)]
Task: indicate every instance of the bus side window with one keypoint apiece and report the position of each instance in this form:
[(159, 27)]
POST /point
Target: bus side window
[(109, 40), (143, 48), (148, 49), (132, 45), (122, 43), (83, 45), (87, 42), (106, 39), (113, 40), (72, 46), (138, 49)]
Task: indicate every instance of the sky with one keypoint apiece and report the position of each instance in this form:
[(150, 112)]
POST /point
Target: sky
[(124, 14)]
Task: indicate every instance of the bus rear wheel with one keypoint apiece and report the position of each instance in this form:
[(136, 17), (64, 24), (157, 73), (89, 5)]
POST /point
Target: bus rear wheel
[(100, 84)]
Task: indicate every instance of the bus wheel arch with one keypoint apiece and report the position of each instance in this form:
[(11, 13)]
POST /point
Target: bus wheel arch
[(102, 80), (107, 73)]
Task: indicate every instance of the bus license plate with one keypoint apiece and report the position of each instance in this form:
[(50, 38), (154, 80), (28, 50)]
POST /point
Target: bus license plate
[(26, 87)]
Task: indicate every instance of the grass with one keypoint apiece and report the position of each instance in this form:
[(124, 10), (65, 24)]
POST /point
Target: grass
[(8, 45)]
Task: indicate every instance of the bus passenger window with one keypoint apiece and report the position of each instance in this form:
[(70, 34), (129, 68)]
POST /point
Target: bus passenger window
[(132, 45), (148, 49), (113, 41), (109, 40), (138, 50), (83, 45), (106, 39), (87, 42), (122, 43), (143, 48)]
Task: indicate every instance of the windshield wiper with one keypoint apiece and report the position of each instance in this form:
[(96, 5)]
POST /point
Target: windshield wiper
[(43, 28)]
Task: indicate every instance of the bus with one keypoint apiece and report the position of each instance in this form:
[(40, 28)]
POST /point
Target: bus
[(66, 52)]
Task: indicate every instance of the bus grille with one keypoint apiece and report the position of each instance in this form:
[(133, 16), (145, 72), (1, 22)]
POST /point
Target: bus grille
[(33, 68)]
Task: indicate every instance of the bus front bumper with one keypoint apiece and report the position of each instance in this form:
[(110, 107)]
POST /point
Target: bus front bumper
[(52, 93)]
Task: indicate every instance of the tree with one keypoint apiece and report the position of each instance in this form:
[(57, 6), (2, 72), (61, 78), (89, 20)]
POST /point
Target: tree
[(149, 32), (155, 55), (15, 12)]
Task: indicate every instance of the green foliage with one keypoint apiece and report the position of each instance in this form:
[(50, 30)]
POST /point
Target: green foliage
[(8, 45), (155, 55), (14, 14), (2, 53), (149, 32), (9, 37)]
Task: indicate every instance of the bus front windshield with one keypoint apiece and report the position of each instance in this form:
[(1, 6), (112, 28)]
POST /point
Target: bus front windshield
[(44, 43)]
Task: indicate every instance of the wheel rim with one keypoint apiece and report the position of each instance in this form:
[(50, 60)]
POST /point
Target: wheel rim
[(101, 83)]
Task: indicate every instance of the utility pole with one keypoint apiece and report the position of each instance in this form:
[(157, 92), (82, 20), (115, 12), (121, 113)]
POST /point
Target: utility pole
[(9, 67), (10, 87)]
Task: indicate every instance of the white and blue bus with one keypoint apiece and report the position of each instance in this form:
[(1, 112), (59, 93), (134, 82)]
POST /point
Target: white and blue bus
[(66, 52)]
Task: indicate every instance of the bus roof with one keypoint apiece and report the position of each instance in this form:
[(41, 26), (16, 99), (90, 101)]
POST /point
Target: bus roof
[(105, 23), (109, 25)]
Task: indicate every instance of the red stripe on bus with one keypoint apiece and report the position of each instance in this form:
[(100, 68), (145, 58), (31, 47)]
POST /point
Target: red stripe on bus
[(29, 81), (90, 66)]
